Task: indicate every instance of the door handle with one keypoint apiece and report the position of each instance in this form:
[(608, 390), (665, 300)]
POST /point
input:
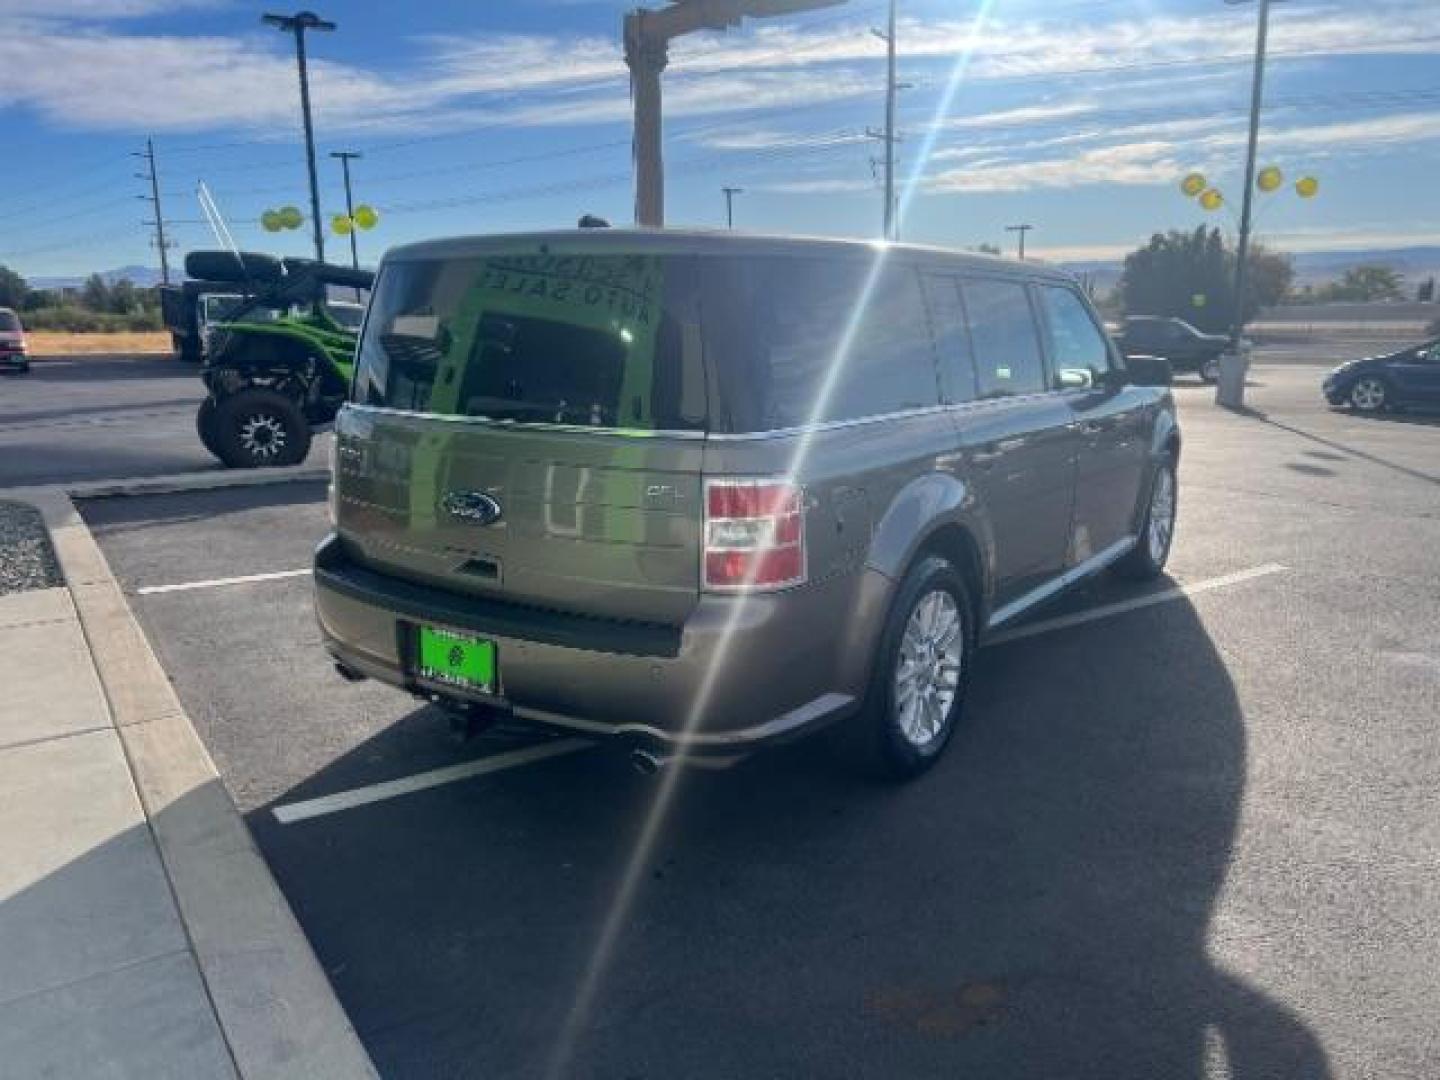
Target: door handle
[(991, 452)]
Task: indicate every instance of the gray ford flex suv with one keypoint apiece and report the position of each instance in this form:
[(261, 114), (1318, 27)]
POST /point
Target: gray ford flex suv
[(703, 492)]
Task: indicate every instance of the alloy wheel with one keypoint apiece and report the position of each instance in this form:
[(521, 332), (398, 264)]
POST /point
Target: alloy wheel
[(263, 436), (927, 669), (1368, 394), (1162, 516)]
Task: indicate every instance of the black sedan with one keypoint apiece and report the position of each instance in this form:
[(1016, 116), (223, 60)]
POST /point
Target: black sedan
[(1408, 377)]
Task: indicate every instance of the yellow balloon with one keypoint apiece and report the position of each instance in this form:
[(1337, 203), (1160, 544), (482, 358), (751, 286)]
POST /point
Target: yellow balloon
[(1307, 187), (342, 225), (1193, 184), (270, 221), (1211, 199), (1269, 179), (366, 216), (290, 217)]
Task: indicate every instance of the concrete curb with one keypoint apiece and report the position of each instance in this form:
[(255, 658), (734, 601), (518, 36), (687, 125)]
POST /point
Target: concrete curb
[(205, 480), (273, 1001)]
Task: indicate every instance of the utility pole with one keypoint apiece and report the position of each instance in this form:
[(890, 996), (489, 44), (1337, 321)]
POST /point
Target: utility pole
[(1242, 252), (297, 24), (1022, 230), (154, 200), (647, 35), (890, 88), (346, 156), (730, 193)]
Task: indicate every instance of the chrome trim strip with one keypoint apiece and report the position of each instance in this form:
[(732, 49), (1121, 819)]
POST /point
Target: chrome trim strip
[(822, 707), (522, 425), (829, 425), (1094, 564)]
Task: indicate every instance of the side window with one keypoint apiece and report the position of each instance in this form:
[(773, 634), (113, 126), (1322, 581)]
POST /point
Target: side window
[(952, 341), (1078, 351), (1005, 338), (890, 365)]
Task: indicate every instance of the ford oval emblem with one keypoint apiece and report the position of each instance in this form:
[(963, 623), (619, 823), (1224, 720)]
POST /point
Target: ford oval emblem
[(471, 507)]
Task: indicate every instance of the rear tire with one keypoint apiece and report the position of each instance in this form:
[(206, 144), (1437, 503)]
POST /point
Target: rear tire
[(205, 425), (916, 696), (1147, 558), (259, 428)]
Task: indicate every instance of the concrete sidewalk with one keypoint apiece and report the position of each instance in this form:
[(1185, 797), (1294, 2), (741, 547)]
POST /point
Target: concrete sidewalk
[(141, 934), (99, 976)]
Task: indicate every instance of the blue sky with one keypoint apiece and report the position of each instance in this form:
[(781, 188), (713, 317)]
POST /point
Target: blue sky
[(1078, 116)]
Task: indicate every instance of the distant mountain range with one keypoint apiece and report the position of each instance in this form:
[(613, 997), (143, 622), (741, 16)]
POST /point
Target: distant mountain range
[(1415, 264), (144, 276)]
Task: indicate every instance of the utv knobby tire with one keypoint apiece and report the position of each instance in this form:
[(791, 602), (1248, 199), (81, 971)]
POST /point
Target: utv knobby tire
[(205, 425), (259, 428)]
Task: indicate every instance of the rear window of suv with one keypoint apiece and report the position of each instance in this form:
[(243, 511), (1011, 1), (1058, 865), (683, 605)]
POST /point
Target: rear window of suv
[(9, 321), (596, 340), (729, 344)]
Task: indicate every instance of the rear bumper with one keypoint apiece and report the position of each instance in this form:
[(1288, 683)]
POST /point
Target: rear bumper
[(738, 674)]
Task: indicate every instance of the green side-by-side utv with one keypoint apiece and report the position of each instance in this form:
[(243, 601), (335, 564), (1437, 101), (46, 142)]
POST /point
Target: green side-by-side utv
[(280, 364)]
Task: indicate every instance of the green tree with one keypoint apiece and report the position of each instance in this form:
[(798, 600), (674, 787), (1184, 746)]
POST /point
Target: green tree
[(1363, 284), (13, 289), (124, 297), (1192, 275), (987, 249), (95, 294)]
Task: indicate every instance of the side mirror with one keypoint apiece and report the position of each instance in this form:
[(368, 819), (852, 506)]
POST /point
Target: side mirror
[(1149, 371)]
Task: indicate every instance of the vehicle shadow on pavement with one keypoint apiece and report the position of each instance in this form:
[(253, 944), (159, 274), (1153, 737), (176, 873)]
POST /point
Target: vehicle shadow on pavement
[(1040, 904), (1265, 418)]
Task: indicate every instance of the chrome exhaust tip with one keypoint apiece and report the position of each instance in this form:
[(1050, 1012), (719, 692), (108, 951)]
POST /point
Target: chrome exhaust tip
[(347, 673)]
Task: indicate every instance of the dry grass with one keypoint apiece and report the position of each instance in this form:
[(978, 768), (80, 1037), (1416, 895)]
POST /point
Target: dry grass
[(60, 343)]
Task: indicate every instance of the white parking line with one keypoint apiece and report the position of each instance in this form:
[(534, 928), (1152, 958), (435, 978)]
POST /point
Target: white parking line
[(390, 789), (1105, 611), (290, 813), (215, 583)]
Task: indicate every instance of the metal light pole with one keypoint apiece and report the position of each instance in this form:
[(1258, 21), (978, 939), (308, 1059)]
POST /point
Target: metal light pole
[(297, 24), (1022, 230), (1242, 252), (730, 193), (345, 157), (647, 35)]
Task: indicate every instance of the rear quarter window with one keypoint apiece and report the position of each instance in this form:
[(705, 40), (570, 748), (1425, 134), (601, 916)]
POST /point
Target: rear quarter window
[(798, 340), (9, 321)]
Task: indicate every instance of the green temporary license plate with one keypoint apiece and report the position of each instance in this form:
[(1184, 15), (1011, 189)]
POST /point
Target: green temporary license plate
[(458, 659)]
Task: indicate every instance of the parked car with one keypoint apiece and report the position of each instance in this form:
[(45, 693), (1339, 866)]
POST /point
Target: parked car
[(1176, 340), (703, 493), (13, 349), (1408, 377)]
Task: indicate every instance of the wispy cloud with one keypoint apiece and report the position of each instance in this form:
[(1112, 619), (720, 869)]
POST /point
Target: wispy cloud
[(71, 65)]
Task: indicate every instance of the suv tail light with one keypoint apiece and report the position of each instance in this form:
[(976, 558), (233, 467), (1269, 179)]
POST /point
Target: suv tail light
[(754, 535)]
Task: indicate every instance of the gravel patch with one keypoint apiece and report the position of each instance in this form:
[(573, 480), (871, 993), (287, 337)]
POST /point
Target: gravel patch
[(27, 560)]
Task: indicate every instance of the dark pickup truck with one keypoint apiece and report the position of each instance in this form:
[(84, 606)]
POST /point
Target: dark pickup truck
[(1187, 348)]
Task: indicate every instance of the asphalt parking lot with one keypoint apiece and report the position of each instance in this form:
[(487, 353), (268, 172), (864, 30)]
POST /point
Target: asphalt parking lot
[(1188, 830), (100, 417)]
